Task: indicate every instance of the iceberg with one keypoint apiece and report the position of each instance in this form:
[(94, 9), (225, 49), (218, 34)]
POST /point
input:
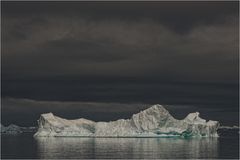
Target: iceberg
[(11, 129), (155, 121), (229, 127), (28, 129)]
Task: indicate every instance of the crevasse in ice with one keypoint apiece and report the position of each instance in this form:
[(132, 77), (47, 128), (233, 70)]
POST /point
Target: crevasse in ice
[(155, 121)]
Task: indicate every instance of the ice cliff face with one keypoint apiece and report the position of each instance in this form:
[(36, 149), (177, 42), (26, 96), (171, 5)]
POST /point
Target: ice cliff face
[(155, 121)]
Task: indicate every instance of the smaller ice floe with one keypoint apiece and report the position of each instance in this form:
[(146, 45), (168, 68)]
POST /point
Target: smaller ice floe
[(11, 129), (29, 129), (229, 127)]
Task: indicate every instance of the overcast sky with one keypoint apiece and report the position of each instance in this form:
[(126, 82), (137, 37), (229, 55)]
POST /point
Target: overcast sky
[(183, 53)]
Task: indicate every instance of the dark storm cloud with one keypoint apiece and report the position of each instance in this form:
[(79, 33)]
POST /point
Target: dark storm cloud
[(179, 15), (122, 48), (145, 52)]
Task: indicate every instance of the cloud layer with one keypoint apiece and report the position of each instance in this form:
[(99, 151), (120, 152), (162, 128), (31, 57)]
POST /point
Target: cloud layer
[(121, 52), (80, 46), (25, 112)]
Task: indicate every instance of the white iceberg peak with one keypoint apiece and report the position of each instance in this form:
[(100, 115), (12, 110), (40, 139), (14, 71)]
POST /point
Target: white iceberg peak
[(155, 121), (49, 115), (194, 118)]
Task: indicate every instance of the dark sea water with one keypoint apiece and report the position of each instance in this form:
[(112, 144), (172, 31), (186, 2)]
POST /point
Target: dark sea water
[(25, 146)]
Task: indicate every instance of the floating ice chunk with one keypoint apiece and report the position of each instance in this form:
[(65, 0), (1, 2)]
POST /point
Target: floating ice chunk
[(229, 127), (11, 129)]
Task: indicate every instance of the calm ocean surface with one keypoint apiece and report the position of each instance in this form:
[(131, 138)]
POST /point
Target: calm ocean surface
[(25, 146)]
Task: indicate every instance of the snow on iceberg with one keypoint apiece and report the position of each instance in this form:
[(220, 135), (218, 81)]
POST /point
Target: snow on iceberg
[(155, 121)]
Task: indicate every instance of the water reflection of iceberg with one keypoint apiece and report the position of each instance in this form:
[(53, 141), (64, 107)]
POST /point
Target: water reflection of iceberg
[(127, 148)]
